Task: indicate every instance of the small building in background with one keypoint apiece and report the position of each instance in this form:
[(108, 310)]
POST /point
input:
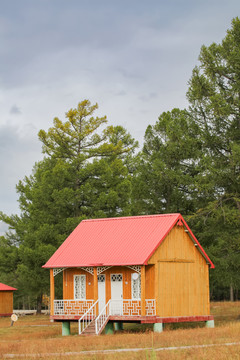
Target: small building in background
[(6, 300)]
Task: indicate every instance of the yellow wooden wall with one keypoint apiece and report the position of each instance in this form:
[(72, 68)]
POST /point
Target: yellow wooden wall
[(68, 279), (150, 281), (6, 302), (181, 276)]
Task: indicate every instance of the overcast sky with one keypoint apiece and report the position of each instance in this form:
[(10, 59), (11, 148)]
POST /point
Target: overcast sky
[(133, 57)]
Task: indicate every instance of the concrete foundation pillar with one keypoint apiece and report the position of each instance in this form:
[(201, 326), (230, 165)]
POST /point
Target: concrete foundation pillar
[(118, 326), (109, 329), (158, 327), (65, 328), (210, 324)]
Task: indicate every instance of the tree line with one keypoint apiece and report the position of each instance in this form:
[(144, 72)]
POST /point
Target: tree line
[(189, 163)]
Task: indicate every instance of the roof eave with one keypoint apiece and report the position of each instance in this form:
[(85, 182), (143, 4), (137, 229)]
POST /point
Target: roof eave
[(200, 248)]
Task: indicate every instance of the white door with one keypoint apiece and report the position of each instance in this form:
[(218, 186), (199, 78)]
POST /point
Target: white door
[(116, 294), (101, 292)]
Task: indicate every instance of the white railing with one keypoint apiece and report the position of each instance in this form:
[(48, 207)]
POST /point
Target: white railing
[(114, 307), (132, 307), (150, 307), (87, 318), (128, 307), (71, 307), (102, 318), (125, 307)]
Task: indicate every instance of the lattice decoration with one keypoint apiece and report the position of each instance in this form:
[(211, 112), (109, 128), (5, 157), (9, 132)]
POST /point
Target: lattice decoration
[(136, 268), (150, 307), (136, 288), (89, 269), (131, 308), (116, 277), (71, 307), (57, 271), (80, 286), (101, 278), (101, 269)]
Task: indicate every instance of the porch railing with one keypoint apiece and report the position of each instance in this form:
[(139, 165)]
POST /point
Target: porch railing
[(125, 307), (102, 318), (72, 307), (150, 307), (87, 318), (132, 307)]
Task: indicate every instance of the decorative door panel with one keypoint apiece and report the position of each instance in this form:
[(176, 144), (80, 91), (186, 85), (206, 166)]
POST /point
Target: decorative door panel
[(79, 287), (136, 286)]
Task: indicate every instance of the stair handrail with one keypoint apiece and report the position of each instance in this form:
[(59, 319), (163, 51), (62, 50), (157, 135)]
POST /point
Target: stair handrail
[(86, 319), (102, 318)]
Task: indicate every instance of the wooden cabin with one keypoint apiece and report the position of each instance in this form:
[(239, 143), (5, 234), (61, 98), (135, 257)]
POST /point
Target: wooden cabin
[(147, 269), (6, 300)]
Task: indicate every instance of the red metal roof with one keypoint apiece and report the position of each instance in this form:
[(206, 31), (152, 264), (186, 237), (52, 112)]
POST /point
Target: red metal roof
[(4, 287), (116, 241)]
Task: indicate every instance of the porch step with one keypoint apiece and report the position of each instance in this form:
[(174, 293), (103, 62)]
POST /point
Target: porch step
[(90, 330)]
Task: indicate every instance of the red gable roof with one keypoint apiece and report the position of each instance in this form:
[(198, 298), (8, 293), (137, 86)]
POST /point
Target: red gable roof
[(116, 241), (4, 287)]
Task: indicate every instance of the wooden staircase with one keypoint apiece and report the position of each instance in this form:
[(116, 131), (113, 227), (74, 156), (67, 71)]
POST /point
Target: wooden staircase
[(90, 329)]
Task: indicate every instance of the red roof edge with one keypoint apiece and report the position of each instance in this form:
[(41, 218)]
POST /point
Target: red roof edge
[(4, 287), (163, 237), (200, 247)]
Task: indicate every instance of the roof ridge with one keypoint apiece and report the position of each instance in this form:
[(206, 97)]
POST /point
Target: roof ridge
[(131, 217)]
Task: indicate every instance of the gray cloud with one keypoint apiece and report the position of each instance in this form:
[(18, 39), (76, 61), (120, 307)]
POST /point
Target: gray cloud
[(19, 150), (15, 110)]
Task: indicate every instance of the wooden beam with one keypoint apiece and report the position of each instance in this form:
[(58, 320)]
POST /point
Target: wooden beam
[(157, 289), (143, 291), (177, 260), (208, 295), (52, 292), (95, 285)]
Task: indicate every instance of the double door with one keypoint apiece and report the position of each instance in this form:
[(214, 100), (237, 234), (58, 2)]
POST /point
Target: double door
[(116, 292)]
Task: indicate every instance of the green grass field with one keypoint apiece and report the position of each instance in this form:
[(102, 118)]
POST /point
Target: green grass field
[(35, 336)]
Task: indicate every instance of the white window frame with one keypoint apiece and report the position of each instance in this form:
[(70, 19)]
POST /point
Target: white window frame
[(138, 284), (82, 278)]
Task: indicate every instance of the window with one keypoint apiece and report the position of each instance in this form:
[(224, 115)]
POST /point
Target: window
[(80, 287), (136, 286)]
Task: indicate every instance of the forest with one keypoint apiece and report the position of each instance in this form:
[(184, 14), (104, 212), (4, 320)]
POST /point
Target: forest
[(189, 163)]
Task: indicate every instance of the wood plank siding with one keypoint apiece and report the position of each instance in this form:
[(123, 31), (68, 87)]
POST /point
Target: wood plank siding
[(6, 302), (181, 276)]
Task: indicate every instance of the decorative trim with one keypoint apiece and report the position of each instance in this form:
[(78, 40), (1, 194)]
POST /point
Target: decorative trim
[(79, 287), (101, 269), (57, 271), (136, 268), (70, 309), (89, 269), (136, 287)]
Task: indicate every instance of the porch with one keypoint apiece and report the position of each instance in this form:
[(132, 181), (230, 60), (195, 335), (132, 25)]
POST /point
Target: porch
[(131, 287), (93, 321)]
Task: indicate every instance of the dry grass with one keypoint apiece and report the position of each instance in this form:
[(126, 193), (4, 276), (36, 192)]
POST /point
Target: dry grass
[(36, 335)]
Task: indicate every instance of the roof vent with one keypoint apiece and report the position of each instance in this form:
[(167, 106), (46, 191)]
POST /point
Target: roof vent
[(179, 223)]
